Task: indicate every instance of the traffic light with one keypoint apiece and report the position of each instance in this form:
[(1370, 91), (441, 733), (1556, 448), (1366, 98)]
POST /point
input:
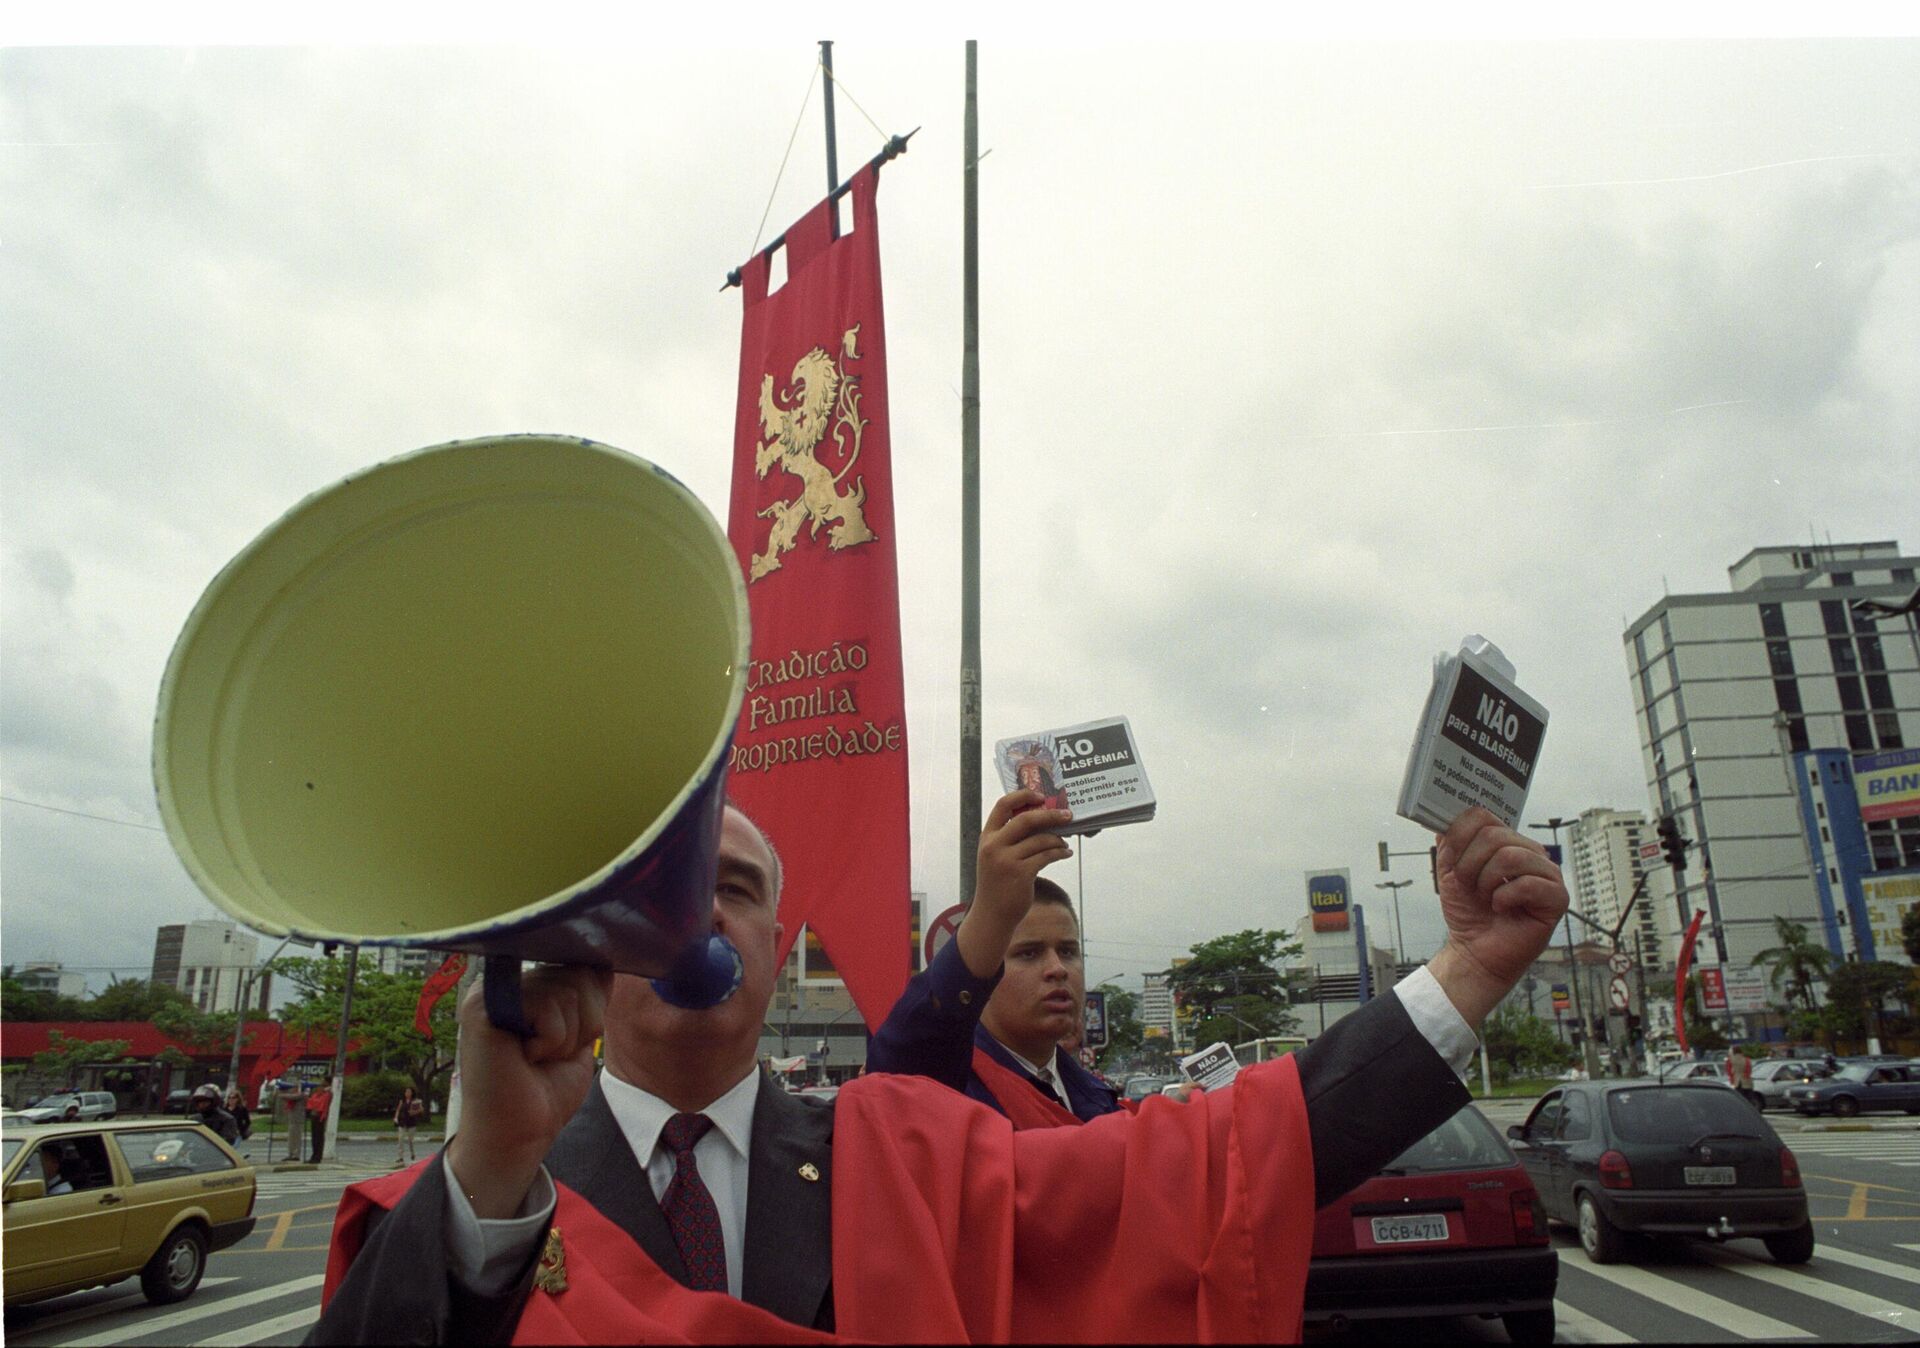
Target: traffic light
[(1383, 858), (1672, 843)]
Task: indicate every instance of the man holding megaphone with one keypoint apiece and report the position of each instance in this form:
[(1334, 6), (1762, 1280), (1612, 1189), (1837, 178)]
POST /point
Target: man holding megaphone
[(683, 1194)]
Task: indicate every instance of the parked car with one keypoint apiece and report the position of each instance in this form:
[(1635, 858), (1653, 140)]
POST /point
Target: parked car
[(1773, 1078), (1876, 1083), (1139, 1088), (1451, 1226), (81, 1104), (146, 1199), (1691, 1159), (1695, 1069), (176, 1102)]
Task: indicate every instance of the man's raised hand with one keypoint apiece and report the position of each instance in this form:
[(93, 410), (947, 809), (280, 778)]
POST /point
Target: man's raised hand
[(1501, 898), (1015, 844)]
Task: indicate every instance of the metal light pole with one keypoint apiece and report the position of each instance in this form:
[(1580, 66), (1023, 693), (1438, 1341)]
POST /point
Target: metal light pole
[(240, 1014), (1556, 823), (970, 492), (1399, 944), (340, 1056)]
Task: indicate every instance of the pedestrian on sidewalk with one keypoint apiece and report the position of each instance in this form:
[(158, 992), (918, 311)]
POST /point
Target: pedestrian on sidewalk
[(406, 1117), (317, 1105), (242, 1116)]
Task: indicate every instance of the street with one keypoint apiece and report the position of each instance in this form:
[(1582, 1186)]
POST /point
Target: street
[(1862, 1286)]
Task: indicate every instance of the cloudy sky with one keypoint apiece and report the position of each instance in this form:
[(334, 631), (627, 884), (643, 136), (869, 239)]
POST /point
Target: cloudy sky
[(1300, 361)]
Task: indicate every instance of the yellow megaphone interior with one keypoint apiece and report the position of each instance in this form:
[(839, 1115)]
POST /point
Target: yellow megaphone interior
[(460, 684)]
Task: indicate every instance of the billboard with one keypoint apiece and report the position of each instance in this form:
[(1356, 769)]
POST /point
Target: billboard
[(1713, 988), (1888, 784), (1329, 900), (1095, 1022)]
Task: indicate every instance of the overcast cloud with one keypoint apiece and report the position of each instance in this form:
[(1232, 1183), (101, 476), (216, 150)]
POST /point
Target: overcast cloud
[(1299, 363)]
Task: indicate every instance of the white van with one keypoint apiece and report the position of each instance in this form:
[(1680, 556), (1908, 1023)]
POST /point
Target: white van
[(53, 1108)]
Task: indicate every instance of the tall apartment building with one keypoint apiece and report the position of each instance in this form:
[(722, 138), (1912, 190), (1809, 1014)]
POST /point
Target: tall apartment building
[(1603, 866), (209, 960), (1156, 1004), (400, 960), (1730, 689)]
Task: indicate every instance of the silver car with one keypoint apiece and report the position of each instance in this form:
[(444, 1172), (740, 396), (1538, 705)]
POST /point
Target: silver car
[(1773, 1077)]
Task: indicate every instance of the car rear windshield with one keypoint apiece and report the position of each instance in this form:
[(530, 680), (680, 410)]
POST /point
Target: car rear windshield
[(1464, 1142), (1679, 1114)]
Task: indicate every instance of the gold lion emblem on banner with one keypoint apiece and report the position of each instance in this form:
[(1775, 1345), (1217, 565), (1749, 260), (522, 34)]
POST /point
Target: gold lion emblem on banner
[(820, 399)]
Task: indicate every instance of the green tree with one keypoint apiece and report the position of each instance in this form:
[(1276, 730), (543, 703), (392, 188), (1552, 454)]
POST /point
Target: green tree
[(63, 1057), (1123, 1025), (133, 999), (1855, 988), (381, 1024), (1237, 977), (1795, 964), (1910, 932), (1520, 1044), (1702, 1032), (19, 1003), (195, 1030)]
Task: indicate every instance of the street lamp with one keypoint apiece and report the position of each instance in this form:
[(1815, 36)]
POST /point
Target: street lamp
[(240, 1013), (1556, 823), (1399, 945)]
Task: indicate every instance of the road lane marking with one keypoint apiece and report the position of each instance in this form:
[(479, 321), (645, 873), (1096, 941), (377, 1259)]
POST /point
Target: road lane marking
[(265, 1329), (1688, 1300), (284, 1223), (1806, 1281), (1886, 1268), (1572, 1326), (199, 1311), (125, 1301), (1857, 1203)]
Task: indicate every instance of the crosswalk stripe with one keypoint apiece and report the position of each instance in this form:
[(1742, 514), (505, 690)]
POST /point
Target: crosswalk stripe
[(1886, 1268), (266, 1329), (199, 1310), (1572, 1326), (1809, 1284), (125, 1301), (1669, 1292)]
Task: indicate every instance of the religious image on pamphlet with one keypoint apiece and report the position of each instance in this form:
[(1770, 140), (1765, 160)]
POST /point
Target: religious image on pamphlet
[(1478, 741), (1093, 769)]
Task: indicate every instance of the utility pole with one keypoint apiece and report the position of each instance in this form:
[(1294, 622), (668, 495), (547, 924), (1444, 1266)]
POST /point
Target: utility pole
[(1399, 944), (240, 1014), (340, 1056), (970, 492), (1591, 1058)]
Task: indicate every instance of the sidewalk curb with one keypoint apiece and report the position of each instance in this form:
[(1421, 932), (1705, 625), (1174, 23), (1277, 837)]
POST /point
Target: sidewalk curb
[(1859, 1128)]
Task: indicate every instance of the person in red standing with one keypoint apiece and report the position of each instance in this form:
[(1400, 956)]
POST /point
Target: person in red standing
[(317, 1106)]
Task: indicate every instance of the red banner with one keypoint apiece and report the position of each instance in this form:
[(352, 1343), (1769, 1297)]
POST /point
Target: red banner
[(438, 984), (1680, 980), (820, 758)]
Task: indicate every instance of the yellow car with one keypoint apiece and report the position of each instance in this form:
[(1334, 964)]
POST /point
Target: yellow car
[(90, 1203)]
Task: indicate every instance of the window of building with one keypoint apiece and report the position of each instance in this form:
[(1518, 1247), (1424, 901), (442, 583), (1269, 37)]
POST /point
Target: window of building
[(1842, 578), (1888, 724), (1870, 656), (1833, 876), (1844, 660), (1825, 836), (1787, 693), (1903, 573), (1813, 776), (1780, 657), (1797, 735), (1879, 692), (1833, 614), (1859, 734), (1820, 809), (1771, 622), (1851, 698)]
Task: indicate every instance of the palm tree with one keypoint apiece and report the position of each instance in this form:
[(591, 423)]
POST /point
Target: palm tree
[(1796, 961)]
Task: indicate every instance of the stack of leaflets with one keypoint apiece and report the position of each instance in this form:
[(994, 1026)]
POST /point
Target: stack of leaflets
[(1092, 769), (1211, 1068), (1478, 741)]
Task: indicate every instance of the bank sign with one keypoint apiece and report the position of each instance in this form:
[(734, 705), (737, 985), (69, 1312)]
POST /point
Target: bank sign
[(1328, 899), (1888, 784)]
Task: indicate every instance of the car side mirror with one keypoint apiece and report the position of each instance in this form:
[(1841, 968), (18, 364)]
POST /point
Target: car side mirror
[(25, 1188), (1517, 1132)]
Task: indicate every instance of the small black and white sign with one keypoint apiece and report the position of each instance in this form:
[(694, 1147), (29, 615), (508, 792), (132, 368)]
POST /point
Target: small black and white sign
[(1093, 769), (1477, 743), (1211, 1068)]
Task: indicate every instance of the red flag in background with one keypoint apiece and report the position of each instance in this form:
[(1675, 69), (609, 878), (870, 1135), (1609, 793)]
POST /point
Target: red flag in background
[(820, 757), (1681, 966), (442, 981)]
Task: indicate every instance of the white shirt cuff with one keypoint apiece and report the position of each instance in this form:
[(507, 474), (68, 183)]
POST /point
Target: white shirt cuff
[(487, 1256), (1438, 1019)]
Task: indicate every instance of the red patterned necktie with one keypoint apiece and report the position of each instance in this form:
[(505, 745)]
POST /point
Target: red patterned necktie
[(691, 1215)]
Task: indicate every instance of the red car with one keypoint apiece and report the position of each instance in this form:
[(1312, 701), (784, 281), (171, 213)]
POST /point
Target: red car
[(1452, 1226)]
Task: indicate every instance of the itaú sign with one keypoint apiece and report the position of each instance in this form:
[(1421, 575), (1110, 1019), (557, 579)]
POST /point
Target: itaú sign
[(1328, 900)]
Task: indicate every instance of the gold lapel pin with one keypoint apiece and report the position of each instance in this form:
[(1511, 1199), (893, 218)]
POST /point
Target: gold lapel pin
[(810, 1172), (551, 1276)]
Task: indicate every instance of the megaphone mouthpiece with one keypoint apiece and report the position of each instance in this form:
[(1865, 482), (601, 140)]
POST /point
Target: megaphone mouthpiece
[(707, 975)]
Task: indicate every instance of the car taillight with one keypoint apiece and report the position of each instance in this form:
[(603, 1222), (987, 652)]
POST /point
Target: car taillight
[(1615, 1173), (1529, 1218), (1789, 1169)]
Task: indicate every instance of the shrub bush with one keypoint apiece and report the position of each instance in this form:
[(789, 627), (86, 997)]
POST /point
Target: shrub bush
[(373, 1095)]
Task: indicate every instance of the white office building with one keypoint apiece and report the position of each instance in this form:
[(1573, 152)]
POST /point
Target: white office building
[(209, 960), (51, 976), (1603, 864), (1156, 1004), (1727, 689), (1332, 985)]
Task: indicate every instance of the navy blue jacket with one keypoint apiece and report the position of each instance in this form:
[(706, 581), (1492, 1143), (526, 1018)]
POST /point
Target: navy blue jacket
[(935, 1026)]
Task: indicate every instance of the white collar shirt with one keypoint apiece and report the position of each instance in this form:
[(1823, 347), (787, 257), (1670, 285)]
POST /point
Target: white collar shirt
[(1048, 1073), (721, 1155)]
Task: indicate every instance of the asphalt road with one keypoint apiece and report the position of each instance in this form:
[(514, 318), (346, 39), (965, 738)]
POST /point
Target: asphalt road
[(1862, 1286)]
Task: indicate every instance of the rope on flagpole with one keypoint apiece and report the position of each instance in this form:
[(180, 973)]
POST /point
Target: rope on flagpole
[(793, 136), (841, 85)]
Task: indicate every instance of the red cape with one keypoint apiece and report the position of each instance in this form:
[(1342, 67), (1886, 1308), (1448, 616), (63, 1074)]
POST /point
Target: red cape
[(1189, 1222)]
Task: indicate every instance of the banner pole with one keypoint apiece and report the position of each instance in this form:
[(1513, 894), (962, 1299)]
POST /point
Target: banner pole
[(833, 157), (970, 497)]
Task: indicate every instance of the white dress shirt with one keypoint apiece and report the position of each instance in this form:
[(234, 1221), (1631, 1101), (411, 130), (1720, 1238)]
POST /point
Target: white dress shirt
[(486, 1255)]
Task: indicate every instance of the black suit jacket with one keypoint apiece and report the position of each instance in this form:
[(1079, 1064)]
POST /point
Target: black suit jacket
[(1373, 1087)]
